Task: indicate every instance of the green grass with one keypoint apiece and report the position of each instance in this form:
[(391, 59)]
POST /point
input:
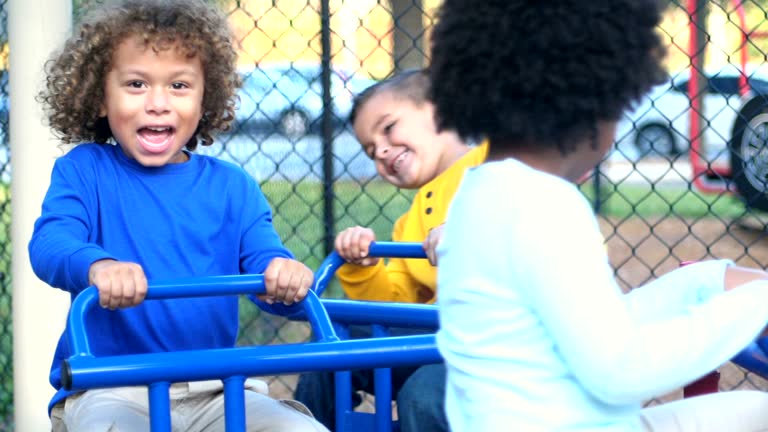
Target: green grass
[(299, 219), (298, 216), (647, 201)]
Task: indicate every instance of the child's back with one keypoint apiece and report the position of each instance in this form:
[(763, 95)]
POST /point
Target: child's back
[(535, 331)]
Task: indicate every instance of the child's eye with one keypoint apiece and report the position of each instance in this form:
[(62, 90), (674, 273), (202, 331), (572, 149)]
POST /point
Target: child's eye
[(388, 128), (179, 86), (135, 84), (370, 151)]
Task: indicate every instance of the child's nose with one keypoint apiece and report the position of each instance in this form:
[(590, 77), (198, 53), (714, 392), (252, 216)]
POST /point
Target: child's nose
[(382, 148), (157, 101)]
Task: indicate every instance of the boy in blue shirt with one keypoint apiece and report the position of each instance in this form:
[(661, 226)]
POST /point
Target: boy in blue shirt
[(136, 88)]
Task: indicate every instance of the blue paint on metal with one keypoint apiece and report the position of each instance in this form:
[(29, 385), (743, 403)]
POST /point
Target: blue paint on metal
[(83, 371)]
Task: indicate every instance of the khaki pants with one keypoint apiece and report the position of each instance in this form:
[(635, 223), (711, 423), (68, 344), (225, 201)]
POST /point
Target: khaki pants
[(196, 406), (729, 411)]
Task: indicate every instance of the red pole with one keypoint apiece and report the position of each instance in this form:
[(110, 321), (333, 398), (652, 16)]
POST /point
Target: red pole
[(743, 85), (694, 128), (696, 48)]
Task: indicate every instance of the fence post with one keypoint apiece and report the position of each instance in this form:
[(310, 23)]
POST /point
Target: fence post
[(327, 129), (35, 28), (408, 34)]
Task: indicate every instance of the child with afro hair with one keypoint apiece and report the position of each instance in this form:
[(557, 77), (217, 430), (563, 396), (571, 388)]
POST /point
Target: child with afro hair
[(535, 331)]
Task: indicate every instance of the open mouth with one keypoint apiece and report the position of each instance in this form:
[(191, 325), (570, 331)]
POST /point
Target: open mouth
[(394, 166), (155, 139)]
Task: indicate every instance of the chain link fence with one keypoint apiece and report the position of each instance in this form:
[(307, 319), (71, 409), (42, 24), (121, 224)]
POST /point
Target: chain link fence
[(685, 180), (6, 332)]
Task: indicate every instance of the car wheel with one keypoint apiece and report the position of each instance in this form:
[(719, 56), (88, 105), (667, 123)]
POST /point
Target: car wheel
[(749, 154), (657, 139), (294, 124)]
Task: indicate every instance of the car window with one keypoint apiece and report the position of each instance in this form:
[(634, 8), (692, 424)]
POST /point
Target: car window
[(679, 85), (256, 81), (758, 85), (717, 85), (727, 86)]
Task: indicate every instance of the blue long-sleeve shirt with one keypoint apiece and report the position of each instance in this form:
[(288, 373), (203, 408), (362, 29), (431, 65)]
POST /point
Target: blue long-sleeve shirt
[(204, 217)]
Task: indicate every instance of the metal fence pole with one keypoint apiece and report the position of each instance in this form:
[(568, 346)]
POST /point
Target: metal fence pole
[(36, 27), (596, 202), (327, 127)]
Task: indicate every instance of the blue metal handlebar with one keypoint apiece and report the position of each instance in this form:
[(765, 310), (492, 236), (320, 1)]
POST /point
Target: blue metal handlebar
[(82, 370), (328, 267), (194, 287)]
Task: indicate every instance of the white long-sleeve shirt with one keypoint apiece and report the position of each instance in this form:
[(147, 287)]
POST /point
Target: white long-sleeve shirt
[(535, 331)]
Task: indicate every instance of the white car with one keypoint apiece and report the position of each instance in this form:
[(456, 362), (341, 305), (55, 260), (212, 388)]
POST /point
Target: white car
[(659, 124)]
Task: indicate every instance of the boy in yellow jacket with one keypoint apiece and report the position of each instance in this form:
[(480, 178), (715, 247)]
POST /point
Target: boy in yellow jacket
[(394, 122)]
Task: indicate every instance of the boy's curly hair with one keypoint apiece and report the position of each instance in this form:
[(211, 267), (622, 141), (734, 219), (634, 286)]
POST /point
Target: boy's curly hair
[(76, 75), (522, 72)]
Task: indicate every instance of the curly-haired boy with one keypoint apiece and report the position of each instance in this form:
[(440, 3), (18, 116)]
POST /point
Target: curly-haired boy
[(136, 88)]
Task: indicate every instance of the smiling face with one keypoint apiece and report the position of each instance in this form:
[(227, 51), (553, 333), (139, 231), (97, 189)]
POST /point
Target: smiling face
[(153, 101), (401, 138)]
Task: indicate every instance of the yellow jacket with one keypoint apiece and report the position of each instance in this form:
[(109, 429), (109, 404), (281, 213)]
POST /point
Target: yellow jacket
[(411, 280)]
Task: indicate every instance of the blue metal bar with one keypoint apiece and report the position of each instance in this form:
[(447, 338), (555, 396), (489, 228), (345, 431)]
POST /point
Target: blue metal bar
[(382, 384), (356, 312), (753, 359), (326, 272), (342, 387), (358, 421), (397, 250), (389, 314), (318, 318), (333, 261), (762, 343), (197, 287), (234, 403), (157, 370), (159, 406), (343, 398), (179, 288), (85, 372), (407, 315)]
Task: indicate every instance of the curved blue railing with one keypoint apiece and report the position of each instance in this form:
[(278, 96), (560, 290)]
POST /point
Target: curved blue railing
[(84, 371), (333, 261), (192, 287), (753, 358)]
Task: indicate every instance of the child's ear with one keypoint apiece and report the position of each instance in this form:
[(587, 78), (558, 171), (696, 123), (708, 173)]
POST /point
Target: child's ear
[(102, 110)]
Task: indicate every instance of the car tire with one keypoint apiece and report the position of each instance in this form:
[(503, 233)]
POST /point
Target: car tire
[(749, 153), (294, 123), (655, 138)]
